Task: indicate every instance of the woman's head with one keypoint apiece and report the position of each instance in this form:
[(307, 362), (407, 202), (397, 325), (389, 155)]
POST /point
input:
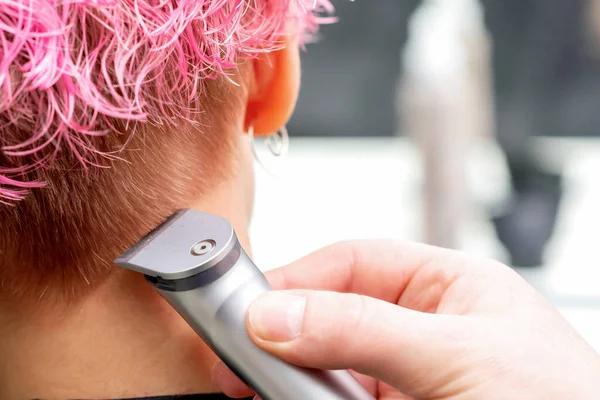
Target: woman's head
[(114, 113)]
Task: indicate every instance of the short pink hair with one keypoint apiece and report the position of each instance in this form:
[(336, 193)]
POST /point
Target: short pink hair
[(68, 67)]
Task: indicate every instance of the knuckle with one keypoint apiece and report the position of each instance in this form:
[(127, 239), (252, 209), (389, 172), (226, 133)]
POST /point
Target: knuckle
[(491, 267), (501, 270), (346, 250), (332, 331), (351, 320), (496, 274), (351, 249)]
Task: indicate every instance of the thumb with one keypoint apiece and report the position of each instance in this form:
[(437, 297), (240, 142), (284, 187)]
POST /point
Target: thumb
[(326, 330)]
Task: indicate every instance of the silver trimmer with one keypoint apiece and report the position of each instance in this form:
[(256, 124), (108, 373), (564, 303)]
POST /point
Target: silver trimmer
[(195, 261)]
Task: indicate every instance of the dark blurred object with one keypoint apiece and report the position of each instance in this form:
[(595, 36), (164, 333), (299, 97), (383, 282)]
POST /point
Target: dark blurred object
[(546, 81), (546, 75), (527, 225), (546, 70), (349, 78)]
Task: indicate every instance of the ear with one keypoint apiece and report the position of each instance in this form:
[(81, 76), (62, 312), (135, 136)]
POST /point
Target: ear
[(273, 89)]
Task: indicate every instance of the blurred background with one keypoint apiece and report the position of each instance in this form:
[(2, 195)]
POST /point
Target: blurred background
[(465, 124)]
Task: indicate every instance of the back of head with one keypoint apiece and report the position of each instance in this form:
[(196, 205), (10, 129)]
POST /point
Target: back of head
[(115, 113)]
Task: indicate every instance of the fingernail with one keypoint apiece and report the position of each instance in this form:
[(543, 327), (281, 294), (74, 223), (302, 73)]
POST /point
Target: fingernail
[(277, 317), (257, 397)]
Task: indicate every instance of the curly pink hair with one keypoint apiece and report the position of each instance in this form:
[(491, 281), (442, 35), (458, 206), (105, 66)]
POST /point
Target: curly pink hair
[(67, 65)]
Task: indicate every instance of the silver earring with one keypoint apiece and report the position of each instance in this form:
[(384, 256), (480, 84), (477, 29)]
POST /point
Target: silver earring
[(277, 145)]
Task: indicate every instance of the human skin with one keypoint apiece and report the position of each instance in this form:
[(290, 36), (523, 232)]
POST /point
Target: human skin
[(107, 344), (419, 322)]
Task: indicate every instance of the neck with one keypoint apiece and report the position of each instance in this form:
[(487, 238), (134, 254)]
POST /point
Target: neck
[(121, 341)]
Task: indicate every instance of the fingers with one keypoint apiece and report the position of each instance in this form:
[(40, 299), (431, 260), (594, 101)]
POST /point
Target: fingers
[(379, 269), (367, 331), (327, 330)]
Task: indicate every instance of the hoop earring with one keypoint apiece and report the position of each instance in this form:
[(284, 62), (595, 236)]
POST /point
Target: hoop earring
[(277, 145)]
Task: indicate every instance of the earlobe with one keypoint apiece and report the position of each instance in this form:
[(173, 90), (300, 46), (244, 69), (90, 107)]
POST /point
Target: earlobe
[(273, 90)]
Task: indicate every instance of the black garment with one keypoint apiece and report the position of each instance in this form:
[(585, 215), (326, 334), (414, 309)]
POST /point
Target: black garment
[(184, 397), (215, 396)]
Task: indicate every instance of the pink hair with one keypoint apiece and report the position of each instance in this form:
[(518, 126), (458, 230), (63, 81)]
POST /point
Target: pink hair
[(66, 65)]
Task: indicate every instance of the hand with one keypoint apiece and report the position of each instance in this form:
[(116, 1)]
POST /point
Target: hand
[(419, 322)]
